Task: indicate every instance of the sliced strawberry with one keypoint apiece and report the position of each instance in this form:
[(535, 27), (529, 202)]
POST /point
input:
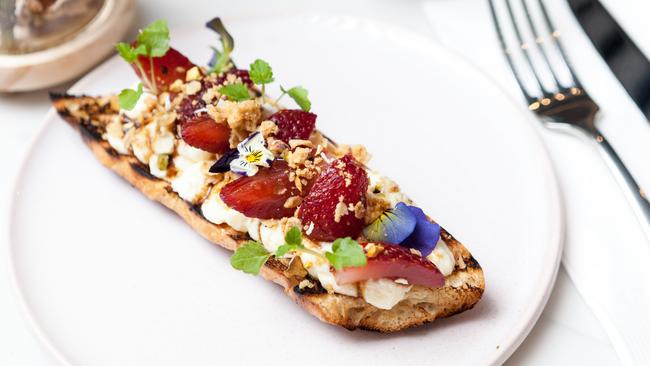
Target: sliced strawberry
[(293, 124), (262, 195), (204, 133), (166, 69), (392, 263), (345, 182)]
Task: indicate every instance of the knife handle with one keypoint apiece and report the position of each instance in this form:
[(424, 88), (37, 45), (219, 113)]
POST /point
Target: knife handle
[(634, 194)]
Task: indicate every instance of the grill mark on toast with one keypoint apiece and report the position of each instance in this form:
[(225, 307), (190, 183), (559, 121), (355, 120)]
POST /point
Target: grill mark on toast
[(471, 262), (142, 171), (317, 289)]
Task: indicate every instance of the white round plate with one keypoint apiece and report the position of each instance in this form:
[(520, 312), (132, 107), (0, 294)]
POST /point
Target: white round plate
[(110, 278)]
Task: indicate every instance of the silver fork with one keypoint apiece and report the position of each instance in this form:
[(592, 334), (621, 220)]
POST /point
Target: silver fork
[(566, 106)]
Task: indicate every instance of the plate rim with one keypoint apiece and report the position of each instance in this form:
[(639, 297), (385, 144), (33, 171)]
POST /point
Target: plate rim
[(517, 333)]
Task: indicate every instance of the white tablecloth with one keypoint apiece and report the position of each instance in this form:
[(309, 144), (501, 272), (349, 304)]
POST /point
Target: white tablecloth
[(566, 333)]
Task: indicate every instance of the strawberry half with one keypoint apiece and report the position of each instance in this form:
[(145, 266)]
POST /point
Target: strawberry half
[(206, 134), (262, 195), (392, 263), (166, 69), (293, 124), (344, 182)]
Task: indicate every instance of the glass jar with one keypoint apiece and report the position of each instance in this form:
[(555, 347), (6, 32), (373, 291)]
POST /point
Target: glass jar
[(28, 26)]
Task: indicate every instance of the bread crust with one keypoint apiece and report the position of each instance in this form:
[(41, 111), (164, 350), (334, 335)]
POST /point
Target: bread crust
[(462, 289)]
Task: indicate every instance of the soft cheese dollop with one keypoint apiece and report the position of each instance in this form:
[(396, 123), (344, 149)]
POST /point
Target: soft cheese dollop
[(191, 183), (443, 258), (215, 211), (388, 189), (383, 293)]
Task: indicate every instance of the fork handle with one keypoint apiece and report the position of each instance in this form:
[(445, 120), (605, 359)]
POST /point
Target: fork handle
[(634, 194)]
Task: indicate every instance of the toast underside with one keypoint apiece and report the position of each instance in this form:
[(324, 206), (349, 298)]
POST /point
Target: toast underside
[(462, 289)]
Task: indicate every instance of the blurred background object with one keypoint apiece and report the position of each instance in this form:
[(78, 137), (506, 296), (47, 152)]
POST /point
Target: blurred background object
[(33, 25), (46, 42)]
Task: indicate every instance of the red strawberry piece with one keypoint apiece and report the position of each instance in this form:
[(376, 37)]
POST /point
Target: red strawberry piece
[(293, 124), (394, 262), (262, 195), (344, 181), (166, 69), (206, 134)]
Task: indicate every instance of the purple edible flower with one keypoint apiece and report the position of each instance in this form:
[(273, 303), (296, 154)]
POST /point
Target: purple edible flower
[(223, 164), (426, 234), (392, 226)]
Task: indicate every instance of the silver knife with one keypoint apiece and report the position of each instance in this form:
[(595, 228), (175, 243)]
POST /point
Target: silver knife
[(630, 66)]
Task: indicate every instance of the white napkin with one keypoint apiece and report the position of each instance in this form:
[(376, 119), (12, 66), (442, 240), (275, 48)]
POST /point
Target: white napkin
[(606, 254)]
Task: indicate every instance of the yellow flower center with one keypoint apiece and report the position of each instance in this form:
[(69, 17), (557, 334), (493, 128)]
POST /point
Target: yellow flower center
[(254, 157)]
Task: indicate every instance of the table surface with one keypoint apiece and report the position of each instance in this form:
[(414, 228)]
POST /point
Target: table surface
[(566, 333)]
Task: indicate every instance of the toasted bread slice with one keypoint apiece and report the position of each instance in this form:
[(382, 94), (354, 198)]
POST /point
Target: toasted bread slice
[(462, 290)]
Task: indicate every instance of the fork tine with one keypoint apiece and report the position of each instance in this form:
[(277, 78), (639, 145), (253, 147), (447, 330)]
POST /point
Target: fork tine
[(525, 49), (508, 54), (538, 45), (555, 36)]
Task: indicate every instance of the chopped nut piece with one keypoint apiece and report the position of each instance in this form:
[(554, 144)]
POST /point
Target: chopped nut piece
[(298, 183), (276, 146), (340, 210), (296, 142), (268, 128), (165, 119), (293, 202), (298, 156), (177, 86), (193, 74), (211, 94), (359, 210), (372, 249), (305, 283), (192, 87), (360, 153)]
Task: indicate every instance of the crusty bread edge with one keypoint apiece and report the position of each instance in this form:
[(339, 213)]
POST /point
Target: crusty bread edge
[(462, 290)]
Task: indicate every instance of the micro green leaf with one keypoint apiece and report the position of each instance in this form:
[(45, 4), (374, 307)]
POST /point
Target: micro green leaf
[(155, 38), (129, 98), (293, 241), (286, 248), (129, 53), (237, 92), (261, 72), (300, 96), (221, 59), (250, 257), (346, 252), (293, 236)]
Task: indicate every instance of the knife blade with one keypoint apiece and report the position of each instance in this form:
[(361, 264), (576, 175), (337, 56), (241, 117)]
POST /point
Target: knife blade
[(624, 58)]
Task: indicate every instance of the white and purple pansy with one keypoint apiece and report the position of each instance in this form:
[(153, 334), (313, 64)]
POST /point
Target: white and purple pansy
[(405, 225), (247, 158)]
